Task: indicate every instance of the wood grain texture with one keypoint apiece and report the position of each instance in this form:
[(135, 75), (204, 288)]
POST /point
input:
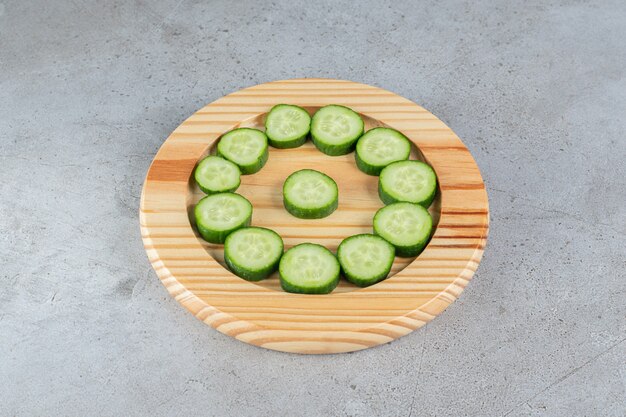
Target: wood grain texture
[(350, 318)]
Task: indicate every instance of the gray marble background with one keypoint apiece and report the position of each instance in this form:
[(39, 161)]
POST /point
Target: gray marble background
[(89, 91)]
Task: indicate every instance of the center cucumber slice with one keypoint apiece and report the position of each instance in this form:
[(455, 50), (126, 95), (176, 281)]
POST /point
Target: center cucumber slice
[(310, 194), (365, 259), (253, 252), (287, 126), (309, 268), (217, 175), (410, 181), (335, 129), (406, 226), (379, 147), (218, 215), (245, 147)]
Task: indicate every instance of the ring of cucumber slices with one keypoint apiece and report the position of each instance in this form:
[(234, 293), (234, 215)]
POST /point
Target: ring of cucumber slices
[(402, 228)]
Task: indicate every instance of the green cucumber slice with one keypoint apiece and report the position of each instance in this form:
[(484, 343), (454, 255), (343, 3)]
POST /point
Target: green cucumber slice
[(218, 215), (379, 147), (365, 259), (253, 253), (310, 194), (409, 181), (287, 126), (406, 226), (309, 268), (217, 175), (245, 147), (335, 129)]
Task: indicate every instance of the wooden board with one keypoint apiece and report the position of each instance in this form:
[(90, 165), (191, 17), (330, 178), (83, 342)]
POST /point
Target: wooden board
[(350, 318)]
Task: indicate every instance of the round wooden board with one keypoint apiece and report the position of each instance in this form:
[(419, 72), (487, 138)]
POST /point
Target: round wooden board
[(350, 318)]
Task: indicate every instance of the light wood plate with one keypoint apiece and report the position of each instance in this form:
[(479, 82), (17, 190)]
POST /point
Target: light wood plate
[(350, 318)]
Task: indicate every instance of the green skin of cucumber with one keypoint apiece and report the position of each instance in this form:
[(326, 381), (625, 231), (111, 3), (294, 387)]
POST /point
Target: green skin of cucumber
[(209, 191), (249, 275), (252, 168), (359, 280), (298, 289), (367, 168), (287, 144), (410, 251), (214, 236), (316, 213), (334, 150), (389, 199), (289, 287), (253, 275)]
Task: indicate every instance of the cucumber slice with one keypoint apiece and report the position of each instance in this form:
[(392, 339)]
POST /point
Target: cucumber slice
[(410, 181), (379, 147), (309, 268), (406, 226), (310, 194), (287, 126), (217, 175), (335, 129), (253, 253), (245, 147), (365, 259), (218, 215)]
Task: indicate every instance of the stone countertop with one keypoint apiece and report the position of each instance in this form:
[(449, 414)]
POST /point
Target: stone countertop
[(89, 91)]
